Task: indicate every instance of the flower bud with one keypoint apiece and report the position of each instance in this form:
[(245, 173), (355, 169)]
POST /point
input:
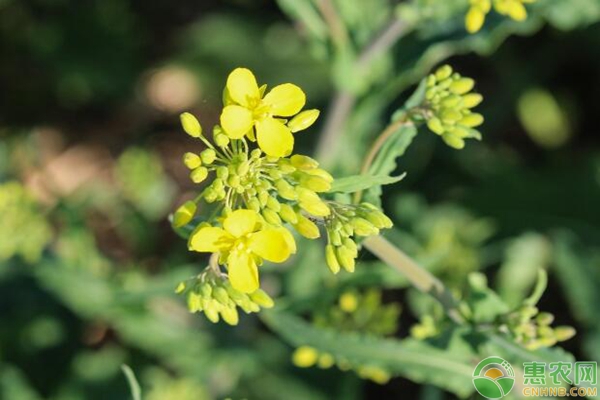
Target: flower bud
[(199, 174), (453, 141), (220, 294), (443, 72), (191, 125), (303, 162), (325, 361), (472, 100), (191, 160), (472, 120), (563, 333), (331, 259), (261, 298), (435, 125), (212, 314), (273, 204), (362, 227), (306, 227), (221, 139), (230, 315), (285, 190), (345, 258), (254, 204), (305, 357), (194, 302), (351, 245), (544, 318), (243, 168), (222, 172), (462, 85), (303, 120), (184, 214), (314, 183), (271, 217), (287, 213), (180, 288), (208, 156)]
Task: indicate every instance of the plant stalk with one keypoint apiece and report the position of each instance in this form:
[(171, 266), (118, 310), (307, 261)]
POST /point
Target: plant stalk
[(419, 277)]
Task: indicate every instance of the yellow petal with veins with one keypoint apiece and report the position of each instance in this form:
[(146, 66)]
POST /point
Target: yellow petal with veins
[(270, 244), (240, 222), (242, 87), (274, 138), (242, 271), (210, 239), (285, 100)]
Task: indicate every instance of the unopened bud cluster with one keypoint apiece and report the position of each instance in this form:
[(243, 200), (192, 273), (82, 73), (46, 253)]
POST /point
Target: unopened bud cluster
[(211, 293), (532, 328), (345, 223), (449, 101), (353, 312)]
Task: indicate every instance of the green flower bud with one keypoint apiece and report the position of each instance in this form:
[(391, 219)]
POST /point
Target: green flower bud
[(472, 100), (210, 195), (351, 245), (335, 238), (212, 314), (233, 181), (462, 85), (345, 258), (321, 173), (220, 294), (472, 120), (303, 162), (379, 219), (191, 160), (285, 190), (206, 290), (263, 197), (194, 302), (453, 141), (314, 183), (261, 298), (275, 174), (305, 357), (243, 168), (191, 125), (362, 227), (564, 333), (331, 259), (255, 154), (325, 361), (548, 341), (180, 288), (435, 125), (184, 214), (317, 208), (271, 217), (222, 172), (451, 101), (306, 227), (451, 116), (273, 204), (208, 156), (303, 120), (544, 318), (443, 72), (254, 204), (287, 213), (230, 315), (199, 174), (221, 140)]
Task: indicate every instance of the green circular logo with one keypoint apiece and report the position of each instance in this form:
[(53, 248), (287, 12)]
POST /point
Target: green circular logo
[(493, 378)]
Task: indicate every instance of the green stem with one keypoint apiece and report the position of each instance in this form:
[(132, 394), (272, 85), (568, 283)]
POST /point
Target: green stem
[(419, 277)]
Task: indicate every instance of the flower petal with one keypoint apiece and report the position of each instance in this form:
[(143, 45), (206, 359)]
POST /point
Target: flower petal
[(242, 86), (236, 121), (210, 239), (240, 222), (242, 271), (274, 138), (270, 244), (285, 100)]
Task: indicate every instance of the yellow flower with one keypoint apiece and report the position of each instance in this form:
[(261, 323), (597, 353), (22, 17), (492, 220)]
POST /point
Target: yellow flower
[(515, 9), (244, 241), (248, 112)]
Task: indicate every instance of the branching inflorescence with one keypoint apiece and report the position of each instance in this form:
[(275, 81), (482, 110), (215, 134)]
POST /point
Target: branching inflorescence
[(260, 191)]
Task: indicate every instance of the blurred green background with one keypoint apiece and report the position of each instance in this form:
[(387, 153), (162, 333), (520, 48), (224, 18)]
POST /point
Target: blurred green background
[(90, 167)]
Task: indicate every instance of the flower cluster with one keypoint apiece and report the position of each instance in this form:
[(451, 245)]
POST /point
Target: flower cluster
[(211, 293), (514, 9), (354, 312), (449, 102), (532, 329), (346, 221), (256, 192)]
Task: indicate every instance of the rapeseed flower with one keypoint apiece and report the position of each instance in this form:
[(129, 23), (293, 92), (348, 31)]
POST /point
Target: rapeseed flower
[(244, 241), (248, 112)]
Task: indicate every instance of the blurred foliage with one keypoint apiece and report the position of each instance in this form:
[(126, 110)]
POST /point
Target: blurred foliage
[(90, 164)]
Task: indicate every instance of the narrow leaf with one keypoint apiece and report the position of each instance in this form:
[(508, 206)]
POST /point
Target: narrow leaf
[(355, 183)]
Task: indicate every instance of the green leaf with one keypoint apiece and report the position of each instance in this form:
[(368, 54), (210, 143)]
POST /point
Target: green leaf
[(416, 360), (485, 304), (385, 161), (356, 183)]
